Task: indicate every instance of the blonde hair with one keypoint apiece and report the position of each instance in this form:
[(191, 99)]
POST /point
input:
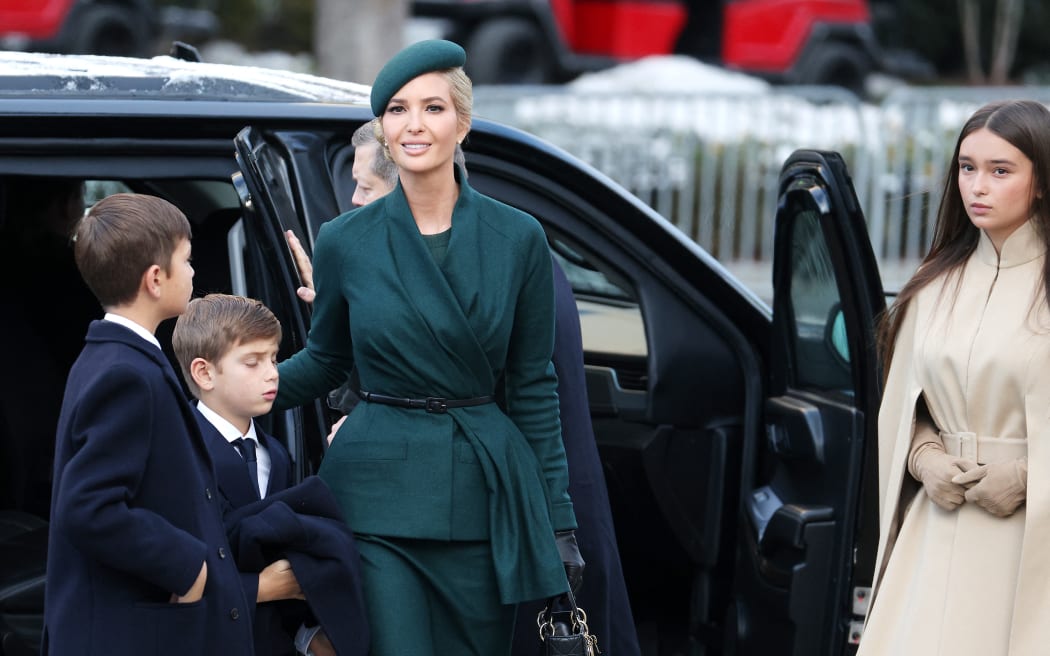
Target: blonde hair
[(461, 91)]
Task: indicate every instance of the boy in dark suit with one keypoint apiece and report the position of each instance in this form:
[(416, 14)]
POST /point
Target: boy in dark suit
[(227, 348), (138, 561)]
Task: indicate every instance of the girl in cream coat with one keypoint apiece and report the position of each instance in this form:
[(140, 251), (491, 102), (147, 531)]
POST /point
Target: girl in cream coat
[(964, 428)]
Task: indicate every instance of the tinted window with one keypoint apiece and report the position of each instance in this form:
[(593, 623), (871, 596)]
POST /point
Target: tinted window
[(821, 354)]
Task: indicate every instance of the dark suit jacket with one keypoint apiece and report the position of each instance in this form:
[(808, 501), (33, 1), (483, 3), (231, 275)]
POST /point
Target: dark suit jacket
[(231, 472), (274, 623), (135, 513)]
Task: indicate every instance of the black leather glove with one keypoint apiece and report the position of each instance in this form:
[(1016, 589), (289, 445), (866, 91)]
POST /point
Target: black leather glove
[(571, 558)]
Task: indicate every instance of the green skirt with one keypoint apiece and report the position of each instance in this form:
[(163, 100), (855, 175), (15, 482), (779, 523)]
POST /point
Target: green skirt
[(433, 598)]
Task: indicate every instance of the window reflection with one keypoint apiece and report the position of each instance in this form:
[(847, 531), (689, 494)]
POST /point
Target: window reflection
[(821, 348)]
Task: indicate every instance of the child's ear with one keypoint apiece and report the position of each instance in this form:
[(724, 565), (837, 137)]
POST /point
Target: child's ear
[(151, 281), (202, 374)]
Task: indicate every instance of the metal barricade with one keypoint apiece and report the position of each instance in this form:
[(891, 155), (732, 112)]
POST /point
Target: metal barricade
[(709, 162)]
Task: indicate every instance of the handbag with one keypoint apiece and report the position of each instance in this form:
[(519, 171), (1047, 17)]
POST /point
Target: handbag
[(565, 632)]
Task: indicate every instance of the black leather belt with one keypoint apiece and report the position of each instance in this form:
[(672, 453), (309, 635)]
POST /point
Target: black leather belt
[(435, 404)]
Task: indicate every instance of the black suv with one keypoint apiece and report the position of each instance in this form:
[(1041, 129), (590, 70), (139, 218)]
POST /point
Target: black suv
[(736, 439)]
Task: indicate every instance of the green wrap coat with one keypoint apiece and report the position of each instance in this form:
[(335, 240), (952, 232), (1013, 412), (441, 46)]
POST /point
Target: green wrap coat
[(415, 329)]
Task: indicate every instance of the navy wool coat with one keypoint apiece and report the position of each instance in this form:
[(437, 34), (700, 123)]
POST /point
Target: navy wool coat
[(304, 524), (135, 512)]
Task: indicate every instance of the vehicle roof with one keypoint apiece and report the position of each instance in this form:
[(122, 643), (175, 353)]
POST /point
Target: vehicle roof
[(35, 75)]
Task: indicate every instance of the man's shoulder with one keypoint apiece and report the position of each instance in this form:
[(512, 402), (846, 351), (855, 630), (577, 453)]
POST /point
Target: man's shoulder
[(506, 220), (356, 220)]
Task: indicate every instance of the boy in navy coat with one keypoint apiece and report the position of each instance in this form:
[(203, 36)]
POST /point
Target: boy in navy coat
[(138, 561), (227, 348)]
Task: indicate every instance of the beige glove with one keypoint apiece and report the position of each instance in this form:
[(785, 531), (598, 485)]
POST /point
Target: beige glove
[(937, 471), (1000, 487)]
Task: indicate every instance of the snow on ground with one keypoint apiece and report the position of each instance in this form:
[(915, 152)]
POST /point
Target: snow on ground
[(681, 94), (671, 76)]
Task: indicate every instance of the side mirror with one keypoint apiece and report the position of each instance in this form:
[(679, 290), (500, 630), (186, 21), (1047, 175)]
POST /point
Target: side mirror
[(835, 336)]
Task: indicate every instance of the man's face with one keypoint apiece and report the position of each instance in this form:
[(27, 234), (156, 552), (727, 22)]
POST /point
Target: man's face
[(369, 185)]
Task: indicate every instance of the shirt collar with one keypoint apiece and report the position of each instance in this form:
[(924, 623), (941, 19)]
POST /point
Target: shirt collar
[(133, 327), (225, 428)]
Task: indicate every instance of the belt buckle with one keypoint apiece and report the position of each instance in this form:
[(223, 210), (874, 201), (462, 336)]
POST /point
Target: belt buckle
[(435, 404), (968, 446)]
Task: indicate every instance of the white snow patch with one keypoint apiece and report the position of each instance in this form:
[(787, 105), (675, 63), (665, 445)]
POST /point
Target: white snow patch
[(671, 75)]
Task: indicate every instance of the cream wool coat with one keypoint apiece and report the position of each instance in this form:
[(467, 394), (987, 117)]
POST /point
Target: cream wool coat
[(964, 581)]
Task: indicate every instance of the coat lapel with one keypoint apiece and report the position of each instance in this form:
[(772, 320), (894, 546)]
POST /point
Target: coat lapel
[(231, 473), (444, 299), (109, 331), (280, 466)]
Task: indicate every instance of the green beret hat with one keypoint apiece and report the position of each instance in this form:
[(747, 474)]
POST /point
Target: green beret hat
[(413, 61)]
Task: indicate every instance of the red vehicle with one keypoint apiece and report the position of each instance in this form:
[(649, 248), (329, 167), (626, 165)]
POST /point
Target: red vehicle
[(113, 27), (790, 41), (93, 27)]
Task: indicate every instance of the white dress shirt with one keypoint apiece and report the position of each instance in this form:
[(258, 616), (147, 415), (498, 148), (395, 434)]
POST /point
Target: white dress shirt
[(133, 327), (230, 432)]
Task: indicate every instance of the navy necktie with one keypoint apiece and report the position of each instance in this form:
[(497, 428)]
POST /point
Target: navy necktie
[(246, 446)]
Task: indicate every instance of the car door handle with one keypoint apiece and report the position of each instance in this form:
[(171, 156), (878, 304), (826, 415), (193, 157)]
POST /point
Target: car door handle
[(787, 526), (785, 544)]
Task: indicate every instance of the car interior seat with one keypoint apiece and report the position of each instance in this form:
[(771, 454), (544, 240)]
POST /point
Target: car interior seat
[(25, 445)]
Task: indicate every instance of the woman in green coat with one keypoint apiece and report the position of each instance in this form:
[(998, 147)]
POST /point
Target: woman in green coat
[(438, 295)]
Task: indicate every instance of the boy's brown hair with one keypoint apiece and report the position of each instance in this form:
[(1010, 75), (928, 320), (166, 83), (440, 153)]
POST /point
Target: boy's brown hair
[(216, 323), (121, 237)]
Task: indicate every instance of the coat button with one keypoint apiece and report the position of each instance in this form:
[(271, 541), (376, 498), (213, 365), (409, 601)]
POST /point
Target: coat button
[(222, 553), (234, 614), (207, 493)]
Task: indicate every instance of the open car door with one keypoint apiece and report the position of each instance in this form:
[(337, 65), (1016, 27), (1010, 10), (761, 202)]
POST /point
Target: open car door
[(809, 507), (268, 200)]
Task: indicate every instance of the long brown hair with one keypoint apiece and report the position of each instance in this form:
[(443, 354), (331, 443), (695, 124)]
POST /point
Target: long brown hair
[(1025, 124)]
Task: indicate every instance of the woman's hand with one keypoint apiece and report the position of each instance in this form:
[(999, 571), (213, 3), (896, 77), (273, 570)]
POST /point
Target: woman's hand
[(306, 268), (1000, 487), (570, 558), (937, 472)]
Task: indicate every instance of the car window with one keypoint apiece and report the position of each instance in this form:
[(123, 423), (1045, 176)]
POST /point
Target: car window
[(96, 190), (612, 329), (610, 317), (822, 354)]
